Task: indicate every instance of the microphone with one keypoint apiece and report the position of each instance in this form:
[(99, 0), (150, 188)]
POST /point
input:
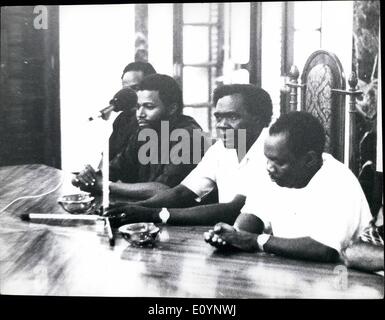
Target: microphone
[(124, 100)]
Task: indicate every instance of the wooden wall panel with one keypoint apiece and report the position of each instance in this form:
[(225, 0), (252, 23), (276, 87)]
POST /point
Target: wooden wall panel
[(30, 108)]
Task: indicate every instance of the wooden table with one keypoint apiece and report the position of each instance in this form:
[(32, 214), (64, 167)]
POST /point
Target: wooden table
[(40, 259)]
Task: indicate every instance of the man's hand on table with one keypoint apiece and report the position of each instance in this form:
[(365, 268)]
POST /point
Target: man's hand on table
[(123, 214), (217, 238), (89, 180), (224, 236)]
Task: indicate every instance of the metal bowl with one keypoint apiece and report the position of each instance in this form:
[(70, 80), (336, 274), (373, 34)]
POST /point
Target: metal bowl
[(77, 203), (142, 233)]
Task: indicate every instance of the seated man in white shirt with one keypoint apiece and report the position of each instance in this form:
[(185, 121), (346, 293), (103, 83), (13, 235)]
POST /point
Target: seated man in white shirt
[(243, 111), (311, 206)]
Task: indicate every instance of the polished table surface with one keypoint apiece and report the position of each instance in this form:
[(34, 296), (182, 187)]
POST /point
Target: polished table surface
[(41, 259)]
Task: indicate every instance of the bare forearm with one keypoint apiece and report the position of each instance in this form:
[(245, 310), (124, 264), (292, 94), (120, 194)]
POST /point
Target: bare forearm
[(177, 197), (205, 215), (301, 248), (137, 190), (298, 248), (365, 257)]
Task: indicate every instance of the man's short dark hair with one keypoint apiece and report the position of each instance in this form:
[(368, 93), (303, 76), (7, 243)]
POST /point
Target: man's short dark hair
[(145, 67), (168, 88), (257, 100), (304, 132)]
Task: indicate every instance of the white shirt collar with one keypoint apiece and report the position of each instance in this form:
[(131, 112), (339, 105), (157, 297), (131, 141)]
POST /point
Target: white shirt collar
[(256, 150)]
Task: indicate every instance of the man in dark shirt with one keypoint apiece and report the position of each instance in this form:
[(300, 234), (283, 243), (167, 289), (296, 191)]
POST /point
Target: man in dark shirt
[(138, 174), (125, 123)]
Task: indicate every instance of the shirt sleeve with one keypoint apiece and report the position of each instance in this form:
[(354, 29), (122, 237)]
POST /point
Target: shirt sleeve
[(259, 202), (202, 180), (339, 218)]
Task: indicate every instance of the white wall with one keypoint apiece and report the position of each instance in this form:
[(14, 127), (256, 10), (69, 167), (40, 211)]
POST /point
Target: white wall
[(337, 32), (160, 37), (96, 43), (271, 52)]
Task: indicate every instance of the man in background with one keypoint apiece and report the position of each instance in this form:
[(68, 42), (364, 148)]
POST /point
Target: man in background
[(125, 123), (160, 102)]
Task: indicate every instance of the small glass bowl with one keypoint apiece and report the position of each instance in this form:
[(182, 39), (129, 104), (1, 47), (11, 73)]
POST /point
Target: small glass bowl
[(77, 203), (140, 234)]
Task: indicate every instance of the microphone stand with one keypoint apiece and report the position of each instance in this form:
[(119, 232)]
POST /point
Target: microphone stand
[(105, 180), (106, 173)]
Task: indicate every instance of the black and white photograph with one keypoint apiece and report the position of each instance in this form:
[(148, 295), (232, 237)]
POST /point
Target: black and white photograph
[(218, 150)]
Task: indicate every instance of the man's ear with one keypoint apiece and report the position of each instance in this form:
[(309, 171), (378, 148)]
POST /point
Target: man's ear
[(311, 159)]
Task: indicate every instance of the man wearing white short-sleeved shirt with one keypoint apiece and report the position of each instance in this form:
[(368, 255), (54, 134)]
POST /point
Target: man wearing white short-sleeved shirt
[(310, 208), (220, 168), (242, 112)]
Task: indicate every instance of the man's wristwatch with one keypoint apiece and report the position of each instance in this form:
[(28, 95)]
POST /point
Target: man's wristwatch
[(164, 215), (261, 240)]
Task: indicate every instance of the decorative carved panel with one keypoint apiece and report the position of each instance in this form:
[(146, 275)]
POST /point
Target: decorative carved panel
[(319, 98), (322, 73)]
